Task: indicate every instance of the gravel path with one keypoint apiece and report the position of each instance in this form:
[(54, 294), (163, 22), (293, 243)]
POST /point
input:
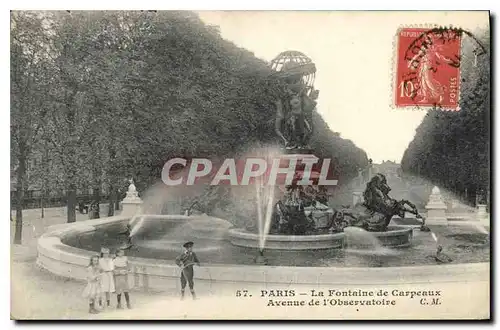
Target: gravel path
[(38, 294)]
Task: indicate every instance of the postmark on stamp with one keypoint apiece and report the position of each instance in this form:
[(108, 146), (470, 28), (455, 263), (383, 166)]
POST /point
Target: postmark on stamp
[(428, 68)]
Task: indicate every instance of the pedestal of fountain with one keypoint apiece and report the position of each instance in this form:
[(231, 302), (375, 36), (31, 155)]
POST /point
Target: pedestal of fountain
[(436, 209), (132, 203), (395, 236), (241, 237)]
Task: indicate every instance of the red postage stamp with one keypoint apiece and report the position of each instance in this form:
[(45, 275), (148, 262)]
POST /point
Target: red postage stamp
[(428, 68)]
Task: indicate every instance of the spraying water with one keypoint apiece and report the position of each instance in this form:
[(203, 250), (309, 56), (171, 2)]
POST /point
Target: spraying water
[(136, 225), (264, 196), (264, 222), (157, 200), (361, 241), (269, 213), (478, 227), (258, 187)]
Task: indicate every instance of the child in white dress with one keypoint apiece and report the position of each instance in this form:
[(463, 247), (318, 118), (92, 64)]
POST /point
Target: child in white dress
[(93, 289), (107, 277)]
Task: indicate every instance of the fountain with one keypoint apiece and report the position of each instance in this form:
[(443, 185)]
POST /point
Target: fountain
[(157, 241), (298, 237), (301, 219)]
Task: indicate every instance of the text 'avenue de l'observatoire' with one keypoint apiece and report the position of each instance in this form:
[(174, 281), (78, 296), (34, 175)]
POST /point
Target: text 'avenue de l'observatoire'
[(346, 297)]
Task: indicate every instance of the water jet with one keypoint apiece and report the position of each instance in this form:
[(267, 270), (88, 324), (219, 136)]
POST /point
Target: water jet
[(261, 259)]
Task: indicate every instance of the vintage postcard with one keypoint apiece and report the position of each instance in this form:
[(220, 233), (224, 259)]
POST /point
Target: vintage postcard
[(250, 165)]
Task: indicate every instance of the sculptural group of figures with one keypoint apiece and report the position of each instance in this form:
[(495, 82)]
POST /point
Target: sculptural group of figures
[(373, 214), (296, 213), (295, 104)]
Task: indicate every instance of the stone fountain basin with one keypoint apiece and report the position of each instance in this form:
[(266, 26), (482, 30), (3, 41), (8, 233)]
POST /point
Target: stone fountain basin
[(205, 226), (241, 237), (162, 274), (395, 236)]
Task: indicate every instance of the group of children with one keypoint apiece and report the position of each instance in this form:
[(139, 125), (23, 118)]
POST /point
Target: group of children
[(107, 275)]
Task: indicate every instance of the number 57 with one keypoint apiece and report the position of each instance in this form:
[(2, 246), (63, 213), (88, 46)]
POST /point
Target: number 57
[(241, 293)]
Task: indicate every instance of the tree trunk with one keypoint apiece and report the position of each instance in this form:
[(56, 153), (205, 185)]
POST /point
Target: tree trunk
[(71, 154), (71, 203), (21, 171), (41, 205), (96, 192), (112, 199), (118, 199), (44, 177), (19, 218)]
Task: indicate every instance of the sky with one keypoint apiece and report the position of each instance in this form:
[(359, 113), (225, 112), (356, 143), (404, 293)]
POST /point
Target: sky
[(354, 53)]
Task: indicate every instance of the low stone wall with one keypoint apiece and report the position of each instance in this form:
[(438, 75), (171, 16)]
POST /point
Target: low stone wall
[(71, 262)]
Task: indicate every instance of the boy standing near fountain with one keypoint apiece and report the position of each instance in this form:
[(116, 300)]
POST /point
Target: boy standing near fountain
[(186, 261), (121, 278)]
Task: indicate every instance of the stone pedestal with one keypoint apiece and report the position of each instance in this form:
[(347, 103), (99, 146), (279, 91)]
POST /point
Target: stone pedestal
[(482, 216), (436, 209), (132, 203)]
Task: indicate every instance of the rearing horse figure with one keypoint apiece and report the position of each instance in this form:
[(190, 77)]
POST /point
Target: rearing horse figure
[(377, 210)]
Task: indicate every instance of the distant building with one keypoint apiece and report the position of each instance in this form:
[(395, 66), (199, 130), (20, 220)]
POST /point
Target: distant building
[(389, 168)]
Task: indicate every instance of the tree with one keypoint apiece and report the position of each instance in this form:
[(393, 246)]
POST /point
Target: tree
[(74, 113), (29, 84), (451, 149), (130, 90)]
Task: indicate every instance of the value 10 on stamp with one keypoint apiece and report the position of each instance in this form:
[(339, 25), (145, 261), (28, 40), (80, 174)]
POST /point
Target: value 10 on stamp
[(428, 68)]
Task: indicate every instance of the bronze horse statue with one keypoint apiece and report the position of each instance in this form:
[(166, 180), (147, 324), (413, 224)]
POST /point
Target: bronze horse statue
[(377, 210)]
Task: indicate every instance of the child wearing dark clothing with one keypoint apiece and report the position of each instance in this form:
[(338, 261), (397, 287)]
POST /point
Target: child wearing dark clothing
[(186, 261)]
